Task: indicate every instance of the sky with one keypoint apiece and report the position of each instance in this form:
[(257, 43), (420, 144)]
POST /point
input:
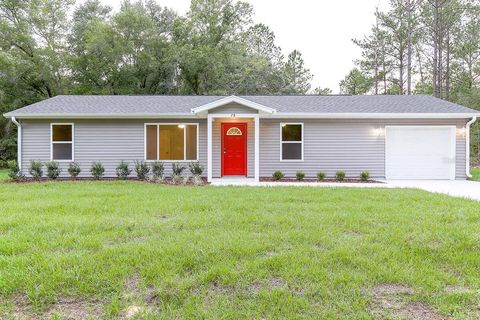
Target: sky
[(321, 29)]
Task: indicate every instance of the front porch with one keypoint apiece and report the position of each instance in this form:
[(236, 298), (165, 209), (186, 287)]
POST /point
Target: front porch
[(226, 159)]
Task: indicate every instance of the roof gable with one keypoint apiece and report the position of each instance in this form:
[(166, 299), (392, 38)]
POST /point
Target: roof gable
[(233, 99)]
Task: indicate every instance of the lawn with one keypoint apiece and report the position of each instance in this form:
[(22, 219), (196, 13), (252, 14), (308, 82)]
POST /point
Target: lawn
[(475, 174), (131, 249), (3, 174)]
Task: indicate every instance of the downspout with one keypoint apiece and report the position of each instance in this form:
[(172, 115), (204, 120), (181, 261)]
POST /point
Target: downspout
[(19, 142), (467, 142)]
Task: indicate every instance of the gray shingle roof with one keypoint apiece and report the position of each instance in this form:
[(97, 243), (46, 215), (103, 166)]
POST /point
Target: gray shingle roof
[(181, 105)]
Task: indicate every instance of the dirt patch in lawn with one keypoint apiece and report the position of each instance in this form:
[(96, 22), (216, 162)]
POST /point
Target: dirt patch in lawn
[(67, 308), (456, 289), (137, 298), (392, 300), (72, 308)]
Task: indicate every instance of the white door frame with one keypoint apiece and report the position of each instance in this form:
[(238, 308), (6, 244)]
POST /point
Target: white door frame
[(210, 119)]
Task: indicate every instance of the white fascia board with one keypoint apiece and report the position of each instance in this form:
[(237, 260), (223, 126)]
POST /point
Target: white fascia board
[(276, 115), (233, 99), (101, 116), (375, 115)]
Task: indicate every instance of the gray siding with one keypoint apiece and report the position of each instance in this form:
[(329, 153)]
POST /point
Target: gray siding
[(348, 145), (107, 141), (329, 145)]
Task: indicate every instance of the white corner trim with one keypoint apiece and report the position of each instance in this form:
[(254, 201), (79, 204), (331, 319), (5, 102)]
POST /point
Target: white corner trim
[(233, 99), (467, 146), (209, 148), (257, 148), (19, 142)]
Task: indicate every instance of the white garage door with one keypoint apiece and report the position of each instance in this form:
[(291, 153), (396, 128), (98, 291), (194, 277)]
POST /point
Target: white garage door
[(420, 152)]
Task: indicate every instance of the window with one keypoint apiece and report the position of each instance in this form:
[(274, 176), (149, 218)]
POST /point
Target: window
[(61, 141), (291, 145), (176, 142), (234, 131)]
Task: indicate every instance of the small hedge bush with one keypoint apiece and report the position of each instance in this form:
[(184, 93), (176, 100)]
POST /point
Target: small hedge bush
[(35, 169), (278, 175), (74, 170), (97, 170), (340, 175), (14, 172), (158, 169), (123, 171), (321, 176), (177, 170), (196, 169), (364, 176), (53, 171), (142, 169), (300, 175)]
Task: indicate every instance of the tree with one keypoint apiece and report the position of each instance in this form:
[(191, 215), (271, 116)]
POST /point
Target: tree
[(297, 77), (322, 91), (355, 83)]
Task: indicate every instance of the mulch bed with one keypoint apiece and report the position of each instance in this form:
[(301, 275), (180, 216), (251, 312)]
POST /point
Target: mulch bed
[(346, 180), (168, 181)]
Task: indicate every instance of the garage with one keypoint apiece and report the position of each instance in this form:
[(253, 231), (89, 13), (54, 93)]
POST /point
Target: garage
[(420, 152)]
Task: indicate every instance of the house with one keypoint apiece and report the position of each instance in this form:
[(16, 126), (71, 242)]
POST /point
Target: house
[(393, 137)]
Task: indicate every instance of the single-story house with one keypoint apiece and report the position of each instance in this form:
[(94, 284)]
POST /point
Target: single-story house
[(392, 137)]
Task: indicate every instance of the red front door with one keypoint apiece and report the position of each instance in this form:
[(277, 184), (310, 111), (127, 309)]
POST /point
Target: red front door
[(234, 149)]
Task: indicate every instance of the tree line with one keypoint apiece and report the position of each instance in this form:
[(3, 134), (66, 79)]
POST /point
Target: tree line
[(52, 47), (422, 47)]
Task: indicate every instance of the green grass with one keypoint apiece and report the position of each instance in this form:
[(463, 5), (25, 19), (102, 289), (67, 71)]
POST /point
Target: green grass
[(233, 252), (475, 172), (3, 174)]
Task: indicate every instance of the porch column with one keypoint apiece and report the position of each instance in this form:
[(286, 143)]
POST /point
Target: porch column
[(257, 148), (209, 147)]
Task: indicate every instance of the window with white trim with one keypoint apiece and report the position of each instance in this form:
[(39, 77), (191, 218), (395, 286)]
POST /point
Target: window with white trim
[(61, 141), (171, 142), (291, 145)]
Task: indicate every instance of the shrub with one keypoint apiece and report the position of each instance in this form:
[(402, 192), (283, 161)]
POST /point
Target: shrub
[(321, 176), (97, 170), (340, 175), (122, 170), (142, 169), (177, 170), (36, 169), (157, 170), (278, 175), (53, 171), (364, 176), (14, 172), (74, 169), (195, 168), (300, 175)]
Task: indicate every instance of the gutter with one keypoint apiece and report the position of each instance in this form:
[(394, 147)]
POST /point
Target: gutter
[(19, 142), (275, 115), (467, 145)]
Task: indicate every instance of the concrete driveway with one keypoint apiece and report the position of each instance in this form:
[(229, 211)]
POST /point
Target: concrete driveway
[(455, 188)]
